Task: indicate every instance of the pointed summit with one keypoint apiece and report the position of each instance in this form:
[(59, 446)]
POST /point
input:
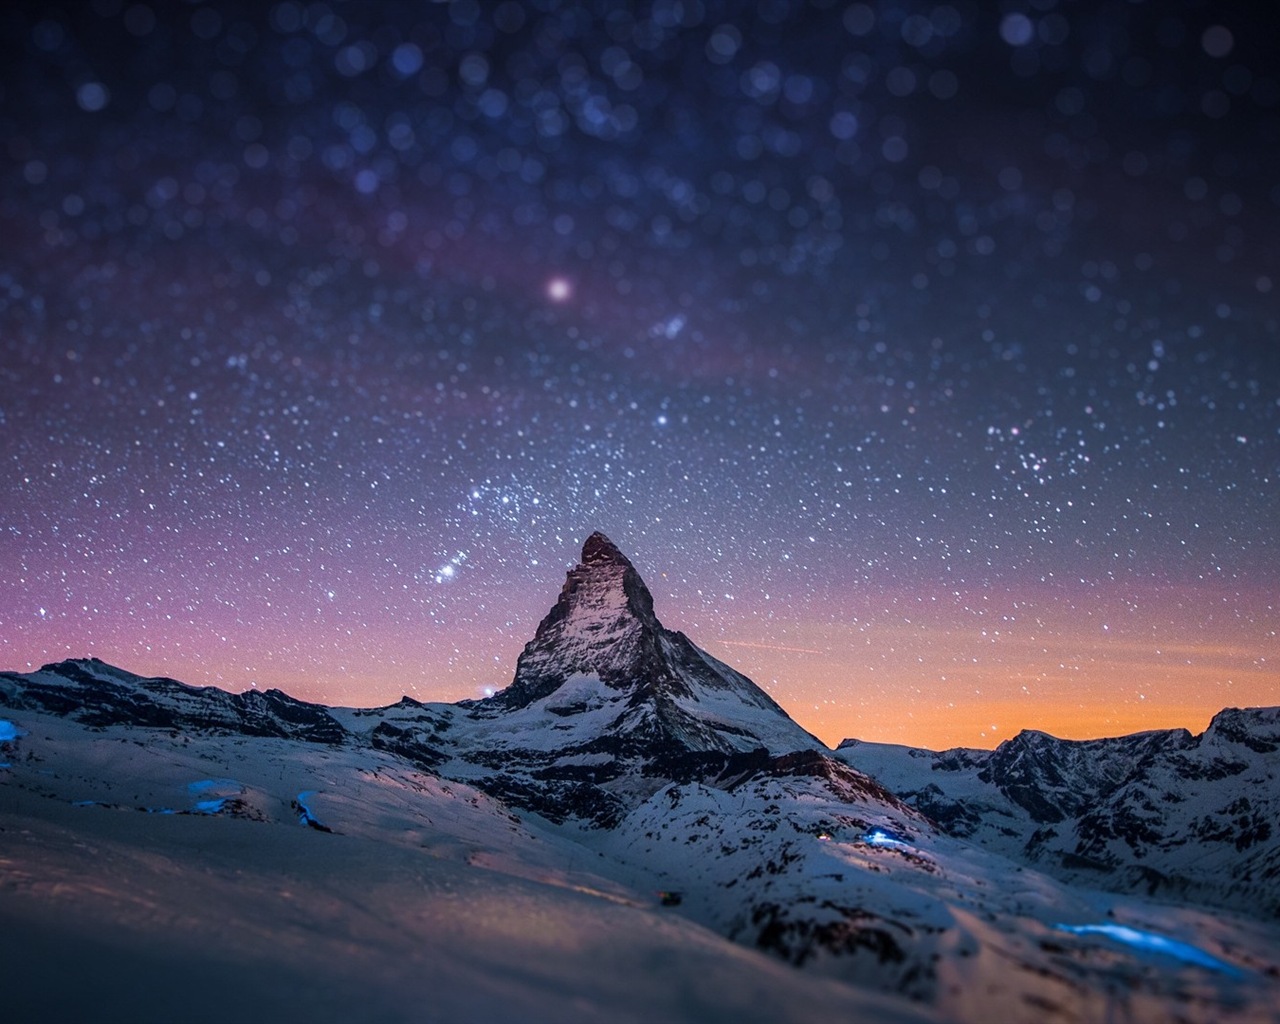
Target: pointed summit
[(600, 548), (602, 624), (601, 658), (603, 566)]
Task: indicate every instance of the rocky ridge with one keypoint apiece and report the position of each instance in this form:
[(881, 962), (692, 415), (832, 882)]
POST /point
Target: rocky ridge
[(1162, 812)]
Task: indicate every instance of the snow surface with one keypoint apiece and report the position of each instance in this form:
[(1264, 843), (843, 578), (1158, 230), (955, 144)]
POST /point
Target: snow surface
[(430, 894), (434, 903)]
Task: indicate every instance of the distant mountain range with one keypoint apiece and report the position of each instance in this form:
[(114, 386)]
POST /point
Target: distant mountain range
[(1163, 813), (964, 882)]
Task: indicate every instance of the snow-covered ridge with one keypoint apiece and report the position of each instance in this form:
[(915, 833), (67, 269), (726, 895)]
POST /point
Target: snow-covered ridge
[(1193, 817), (95, 693)]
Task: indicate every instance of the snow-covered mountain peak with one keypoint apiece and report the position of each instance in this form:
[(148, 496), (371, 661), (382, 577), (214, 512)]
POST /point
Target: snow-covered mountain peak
[(602, 625), (652, 691), (603, 588)]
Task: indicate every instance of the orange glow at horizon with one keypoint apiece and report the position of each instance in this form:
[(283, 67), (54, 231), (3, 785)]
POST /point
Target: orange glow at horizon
[(933, 670), (940, 672)]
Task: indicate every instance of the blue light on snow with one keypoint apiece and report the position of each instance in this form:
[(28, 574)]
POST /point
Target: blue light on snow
[(882, 838), (8, 731), (213, 804), (1154, 943), (210, 806), (204, 785), (306, 817)]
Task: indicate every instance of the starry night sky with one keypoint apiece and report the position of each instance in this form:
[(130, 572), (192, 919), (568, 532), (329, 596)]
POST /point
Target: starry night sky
[(924, 358)]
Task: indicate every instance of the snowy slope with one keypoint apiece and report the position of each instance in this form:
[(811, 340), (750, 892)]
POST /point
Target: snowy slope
[(426, 900), (820, 865)]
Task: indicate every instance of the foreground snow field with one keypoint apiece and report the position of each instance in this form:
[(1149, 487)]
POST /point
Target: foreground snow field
[(428, 901)]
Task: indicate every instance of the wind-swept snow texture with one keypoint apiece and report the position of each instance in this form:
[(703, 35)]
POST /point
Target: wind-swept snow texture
[(632, 831)]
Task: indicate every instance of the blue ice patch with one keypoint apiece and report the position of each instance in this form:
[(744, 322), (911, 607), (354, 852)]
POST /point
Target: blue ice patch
[(305, 817), (205, 785), (8, 731), (1152, 942), (881, 837), (210, 806), (215, 793)]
